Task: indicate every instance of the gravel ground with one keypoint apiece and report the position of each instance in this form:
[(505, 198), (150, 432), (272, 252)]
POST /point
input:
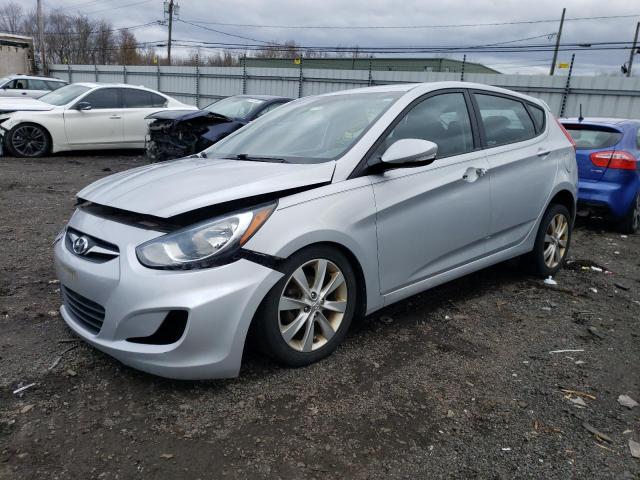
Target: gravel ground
[(457, 382)]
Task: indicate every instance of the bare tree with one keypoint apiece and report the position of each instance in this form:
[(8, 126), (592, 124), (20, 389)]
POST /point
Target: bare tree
[(11, 18)]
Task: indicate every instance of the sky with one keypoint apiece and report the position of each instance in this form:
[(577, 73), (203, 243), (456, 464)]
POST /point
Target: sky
[(268, 19)]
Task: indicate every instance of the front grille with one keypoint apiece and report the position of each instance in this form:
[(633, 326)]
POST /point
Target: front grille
[(89, 314)]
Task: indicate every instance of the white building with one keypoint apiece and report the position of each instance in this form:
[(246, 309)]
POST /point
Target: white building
[(16, 54)]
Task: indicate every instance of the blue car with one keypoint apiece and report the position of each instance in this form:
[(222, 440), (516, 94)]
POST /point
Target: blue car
[(607, 152)]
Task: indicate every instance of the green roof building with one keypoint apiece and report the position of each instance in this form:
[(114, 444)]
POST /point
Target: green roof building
[(377, 64)]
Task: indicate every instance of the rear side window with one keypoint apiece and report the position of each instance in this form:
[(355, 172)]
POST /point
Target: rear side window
[(505, 120), (134, 98), (104, 98), (538, 117), (589, 137), (37, 85)]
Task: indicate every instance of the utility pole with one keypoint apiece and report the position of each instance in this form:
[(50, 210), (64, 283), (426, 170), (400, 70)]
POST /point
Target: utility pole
[(633, 50), (555, 51), (170, 26), (41, 36)]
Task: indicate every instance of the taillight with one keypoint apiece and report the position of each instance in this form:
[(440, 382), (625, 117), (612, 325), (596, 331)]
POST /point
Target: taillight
[(566, 134), (618, 159)]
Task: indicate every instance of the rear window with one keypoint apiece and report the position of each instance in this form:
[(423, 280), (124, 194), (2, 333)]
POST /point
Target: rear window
[(590, 137)]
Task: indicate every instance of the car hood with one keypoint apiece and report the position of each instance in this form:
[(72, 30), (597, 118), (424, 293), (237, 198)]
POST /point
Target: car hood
[(171, 188), (10, 104)]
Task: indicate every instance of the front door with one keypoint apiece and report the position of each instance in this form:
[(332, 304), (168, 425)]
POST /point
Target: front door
[(432, 218), (101, 125)]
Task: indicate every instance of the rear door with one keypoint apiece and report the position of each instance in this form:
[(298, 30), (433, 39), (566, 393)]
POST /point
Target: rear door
[(592, 139), (138, 104), (101, 126), (522, 164)]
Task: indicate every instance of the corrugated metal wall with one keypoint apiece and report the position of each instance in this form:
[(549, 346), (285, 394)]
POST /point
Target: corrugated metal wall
[(599, 96)]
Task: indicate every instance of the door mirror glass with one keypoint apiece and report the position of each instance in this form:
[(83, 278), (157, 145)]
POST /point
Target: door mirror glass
[(83, 106), (410, 150)]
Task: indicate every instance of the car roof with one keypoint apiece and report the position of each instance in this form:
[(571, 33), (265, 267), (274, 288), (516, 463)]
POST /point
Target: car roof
[(432, 86), (34, 77), (600, 121), (118, 85)]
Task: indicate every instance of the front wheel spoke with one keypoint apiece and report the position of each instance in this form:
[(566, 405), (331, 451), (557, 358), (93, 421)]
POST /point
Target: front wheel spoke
[(563, 229), (294, 327), (562, 243), (301, 280), (307, 339), (321, 271), (325, 327), (335, 305), (335, 282), (548, 238), (288, 303)]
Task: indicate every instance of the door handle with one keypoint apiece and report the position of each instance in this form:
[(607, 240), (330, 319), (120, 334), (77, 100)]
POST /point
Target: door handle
[(115, 117), (543, 153), (24, 93), (473, 173)]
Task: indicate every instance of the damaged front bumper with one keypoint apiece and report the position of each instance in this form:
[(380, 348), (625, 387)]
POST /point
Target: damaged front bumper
[(122, 308)]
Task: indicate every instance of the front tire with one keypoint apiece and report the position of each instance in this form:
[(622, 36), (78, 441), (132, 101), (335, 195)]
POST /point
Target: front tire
[(28, 140), (306, 315), (630, 223), (552, 242)]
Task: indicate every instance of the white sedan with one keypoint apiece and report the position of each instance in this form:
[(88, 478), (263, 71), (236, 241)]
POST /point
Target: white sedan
[(81, 116)]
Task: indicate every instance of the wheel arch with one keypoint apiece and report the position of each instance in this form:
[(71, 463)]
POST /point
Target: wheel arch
[(566, 198)]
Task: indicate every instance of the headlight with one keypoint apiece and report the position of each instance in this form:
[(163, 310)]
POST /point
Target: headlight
[(204, 244)]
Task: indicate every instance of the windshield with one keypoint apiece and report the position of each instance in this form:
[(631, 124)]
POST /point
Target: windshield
[(63, 95), (3, 80), (309, 130), (235, 107)]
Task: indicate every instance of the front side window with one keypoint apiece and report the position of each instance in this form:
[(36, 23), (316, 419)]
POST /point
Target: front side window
[(17, 85), (442, 119), (64, 95), (104, 98), (505, 120), (134, 98), (308, 130)]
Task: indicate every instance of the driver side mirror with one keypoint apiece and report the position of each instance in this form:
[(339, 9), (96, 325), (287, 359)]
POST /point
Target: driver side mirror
[(410, 150), (82, 106)]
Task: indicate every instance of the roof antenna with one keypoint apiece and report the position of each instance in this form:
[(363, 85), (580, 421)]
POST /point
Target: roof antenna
[(580, 118)]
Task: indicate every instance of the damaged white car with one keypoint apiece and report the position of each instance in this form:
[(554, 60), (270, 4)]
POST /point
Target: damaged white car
[(81, 116)]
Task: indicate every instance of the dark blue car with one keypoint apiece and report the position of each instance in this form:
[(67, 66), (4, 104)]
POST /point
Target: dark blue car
[(607, 152)]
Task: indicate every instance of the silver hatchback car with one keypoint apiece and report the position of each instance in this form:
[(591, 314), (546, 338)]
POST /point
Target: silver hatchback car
[(329, 207)]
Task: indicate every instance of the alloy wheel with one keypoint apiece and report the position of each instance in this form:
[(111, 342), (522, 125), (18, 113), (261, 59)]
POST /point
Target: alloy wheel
[(312, 305), (28, 141), (556, 240)]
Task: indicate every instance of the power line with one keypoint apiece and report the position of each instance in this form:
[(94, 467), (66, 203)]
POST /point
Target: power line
[(91, 32), (223, 33), (389, 27)]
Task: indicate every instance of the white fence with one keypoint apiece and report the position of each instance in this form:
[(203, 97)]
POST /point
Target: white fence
[(599, 96)]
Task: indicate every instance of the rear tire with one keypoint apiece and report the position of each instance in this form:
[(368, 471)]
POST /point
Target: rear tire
[(630, 223), (28, 140), (552, 242), (306, 315)]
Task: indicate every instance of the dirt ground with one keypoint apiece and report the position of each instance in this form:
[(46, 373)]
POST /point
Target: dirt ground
[(457, 382)]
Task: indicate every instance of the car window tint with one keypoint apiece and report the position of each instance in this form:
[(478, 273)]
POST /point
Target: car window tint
[(17, 85), (37, 85), (588, 137), (442, 119), (538, 117), (54, 85), (505, 120), (134, 98), (104, 98)]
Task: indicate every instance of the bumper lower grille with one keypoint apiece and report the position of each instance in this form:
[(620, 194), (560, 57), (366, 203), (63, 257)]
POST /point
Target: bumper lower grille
[(89, 314)]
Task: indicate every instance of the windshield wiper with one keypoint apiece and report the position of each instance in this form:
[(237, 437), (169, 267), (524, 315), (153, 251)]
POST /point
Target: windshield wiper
[(252, 158)]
